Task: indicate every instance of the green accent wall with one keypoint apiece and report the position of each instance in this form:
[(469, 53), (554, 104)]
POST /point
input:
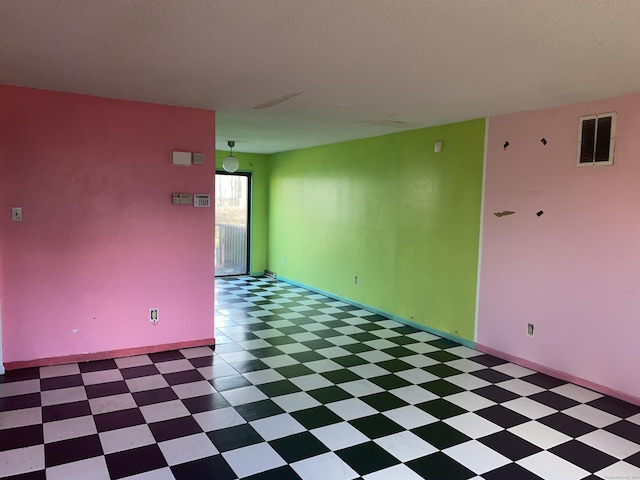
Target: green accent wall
[(258, 165), (387, 209)]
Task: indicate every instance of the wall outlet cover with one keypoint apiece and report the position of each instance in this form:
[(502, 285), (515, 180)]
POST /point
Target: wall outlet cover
[(153, 315)]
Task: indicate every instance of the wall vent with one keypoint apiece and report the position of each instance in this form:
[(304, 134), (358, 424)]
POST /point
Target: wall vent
[(596, 138)]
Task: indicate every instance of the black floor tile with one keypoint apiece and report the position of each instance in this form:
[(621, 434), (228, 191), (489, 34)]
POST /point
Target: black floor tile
[(341, 376), (159, 395), (584, 456), (625, 429), (20, 375), (61, 382), (553, 400), (39, 475), (209, 468), (249, 366), (178, 378), (66, 410), (488, 360), (496, 394), (442, 356), (106, 389), (280, 387), (258, 410), (135, 461), (291, 371), (567, 425), (234, 437), (174, 428), (350, 361), (394, 365), (492, 376), (442, 370), (316, 417), (98, 365), (367, 457), (544, 381), (298, 447), (18, 402), (166, 356), (20, 437), (510, 445), (511, 471), (616, 407), (281, 473), (383, 401), (120, 419), (441, 408), (375, 426), (330, 394), (72, 450), (139, 371), (505, 417), (390, 382), (398, 352), (439, 466), (440, 435), (442, 388)]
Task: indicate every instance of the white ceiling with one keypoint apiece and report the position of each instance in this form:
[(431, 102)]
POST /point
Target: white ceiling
[(359, 68)]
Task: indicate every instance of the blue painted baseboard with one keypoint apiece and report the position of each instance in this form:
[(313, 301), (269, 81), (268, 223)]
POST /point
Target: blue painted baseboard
[(410, 323)]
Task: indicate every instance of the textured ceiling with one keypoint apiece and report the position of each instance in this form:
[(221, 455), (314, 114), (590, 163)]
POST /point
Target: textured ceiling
[(286, 74)]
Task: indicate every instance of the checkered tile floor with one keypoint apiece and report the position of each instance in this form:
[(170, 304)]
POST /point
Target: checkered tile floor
[(303, 386)]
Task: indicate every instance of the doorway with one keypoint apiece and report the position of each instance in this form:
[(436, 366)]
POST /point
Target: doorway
[(233, 213)]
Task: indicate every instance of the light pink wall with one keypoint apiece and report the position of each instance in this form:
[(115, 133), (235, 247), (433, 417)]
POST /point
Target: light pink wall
[(575, 271), (101, 243)]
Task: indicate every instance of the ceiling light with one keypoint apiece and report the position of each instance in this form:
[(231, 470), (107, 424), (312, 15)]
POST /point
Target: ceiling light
[(230, 163)]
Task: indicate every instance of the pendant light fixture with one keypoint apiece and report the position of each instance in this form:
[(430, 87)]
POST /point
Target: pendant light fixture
[(230, 163)]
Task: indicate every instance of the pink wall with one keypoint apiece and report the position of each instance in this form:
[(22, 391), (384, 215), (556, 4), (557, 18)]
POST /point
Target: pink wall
[(101, 243), (575, 271)]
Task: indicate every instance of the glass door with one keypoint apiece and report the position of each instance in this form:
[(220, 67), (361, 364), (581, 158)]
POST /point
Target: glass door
[(232, 223)]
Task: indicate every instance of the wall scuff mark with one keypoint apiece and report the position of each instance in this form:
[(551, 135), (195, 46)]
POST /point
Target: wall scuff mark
[(539, 213), (504, 213)]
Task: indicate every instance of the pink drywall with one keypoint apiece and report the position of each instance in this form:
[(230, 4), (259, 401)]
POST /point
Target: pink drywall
[(574, 271), (101, 243)]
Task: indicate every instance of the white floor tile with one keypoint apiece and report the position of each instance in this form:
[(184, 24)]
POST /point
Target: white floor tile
[(529, 408), (218, 419), (339, 435), (186, 449), (351, 409), (295, 401), (237, 357), (240, 396), (360, 388), (476, 457), (405, 446), (280, 361), (310, 382), (254, 344), (217, 370), (94, 468), (467, 381), (174, 366), (421, 348), (277, 426), (102, 376), (63, 395), (196, 352), (466, 365), (59, 370), (472, 425), (22, 460), (464, 352), (539, 434), (320, 366), (324, 467), (336, 352), (193, 389), (160, 474), (620, 470), (550, 467), (253, 459), (369, 370), (611, 444), (375, 356), (112, 403), (579, 394), (410, 417), (520, 387), (69, 428), (413, 394), (20, 418), (470, 401), (141, 384), (293, 348), (397, 472), (304, 337), (126, 438), (513, 370), (417, 376), (592, 416), (11, 389), (164, 411), (135, 361), (263, 376), (635, 419)]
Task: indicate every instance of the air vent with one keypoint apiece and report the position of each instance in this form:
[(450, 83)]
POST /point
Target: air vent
[(596, 138)]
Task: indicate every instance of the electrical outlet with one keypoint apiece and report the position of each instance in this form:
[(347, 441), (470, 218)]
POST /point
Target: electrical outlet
[(355, 279), (282, 260), (16, 214), (530, 330), (153, 315)]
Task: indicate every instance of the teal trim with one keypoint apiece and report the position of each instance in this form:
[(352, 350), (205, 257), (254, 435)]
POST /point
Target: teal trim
[(434, 331), (257, 274)]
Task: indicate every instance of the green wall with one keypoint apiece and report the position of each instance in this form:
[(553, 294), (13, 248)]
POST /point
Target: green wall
[(258, 165), (389, 210)]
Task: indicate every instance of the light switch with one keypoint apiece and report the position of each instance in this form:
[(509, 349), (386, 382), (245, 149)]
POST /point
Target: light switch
[(181, 158), (16, 214)]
